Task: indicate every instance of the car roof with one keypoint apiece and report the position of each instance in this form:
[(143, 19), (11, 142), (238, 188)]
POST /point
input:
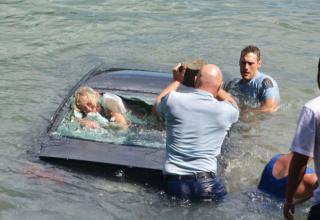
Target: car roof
[(139, 82), (143, 84)]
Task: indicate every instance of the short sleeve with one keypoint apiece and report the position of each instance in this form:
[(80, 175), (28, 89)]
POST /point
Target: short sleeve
[(304, 139), (270, 90), (161, 106)]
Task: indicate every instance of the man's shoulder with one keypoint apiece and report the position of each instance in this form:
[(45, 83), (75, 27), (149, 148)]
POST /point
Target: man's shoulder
[(314, 105), (230, 112), (232, 84), (265, 81), (262, 76), (173, 96)]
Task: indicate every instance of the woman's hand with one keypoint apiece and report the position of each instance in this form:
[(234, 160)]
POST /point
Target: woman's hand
[(119, 119), (89, 123)]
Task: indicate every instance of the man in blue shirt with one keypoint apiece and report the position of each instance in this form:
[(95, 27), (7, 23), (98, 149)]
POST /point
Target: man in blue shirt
[(196, 125), (256, 90)]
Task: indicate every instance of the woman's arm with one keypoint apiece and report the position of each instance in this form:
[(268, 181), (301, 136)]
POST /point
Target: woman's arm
[(88, 123), (119, 119)]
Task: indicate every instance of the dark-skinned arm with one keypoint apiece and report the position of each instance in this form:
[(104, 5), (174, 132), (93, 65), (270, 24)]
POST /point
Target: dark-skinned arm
[(297, 169)]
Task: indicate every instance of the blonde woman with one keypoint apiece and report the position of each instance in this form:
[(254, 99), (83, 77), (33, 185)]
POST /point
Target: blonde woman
[(91, 106)]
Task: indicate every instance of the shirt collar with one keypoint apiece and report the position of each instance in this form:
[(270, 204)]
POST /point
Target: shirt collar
[(202, 92)]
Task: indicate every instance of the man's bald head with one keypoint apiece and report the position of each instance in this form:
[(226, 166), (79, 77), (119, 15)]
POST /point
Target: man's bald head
[(209, 78)]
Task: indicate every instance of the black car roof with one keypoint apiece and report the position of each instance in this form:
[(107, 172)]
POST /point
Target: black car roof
[(140, 82), (134, 81)]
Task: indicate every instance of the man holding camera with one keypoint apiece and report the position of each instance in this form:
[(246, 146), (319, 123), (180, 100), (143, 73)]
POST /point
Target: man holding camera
[(196, 125)]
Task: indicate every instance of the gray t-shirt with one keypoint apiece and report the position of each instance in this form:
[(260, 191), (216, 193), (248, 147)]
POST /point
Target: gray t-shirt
[(257, 91), (306, 140), (196, 125)]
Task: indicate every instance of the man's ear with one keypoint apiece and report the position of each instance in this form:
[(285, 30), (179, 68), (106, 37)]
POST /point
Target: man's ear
[(259, 63), (196, 81)]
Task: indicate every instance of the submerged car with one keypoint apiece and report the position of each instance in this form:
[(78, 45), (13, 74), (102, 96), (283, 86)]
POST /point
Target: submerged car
[(140, 149)]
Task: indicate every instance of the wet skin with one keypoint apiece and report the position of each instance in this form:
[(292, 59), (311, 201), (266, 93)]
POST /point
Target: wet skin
[(249, 66)]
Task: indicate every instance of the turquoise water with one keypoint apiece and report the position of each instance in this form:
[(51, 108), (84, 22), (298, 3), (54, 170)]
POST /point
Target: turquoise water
[(47, 46)]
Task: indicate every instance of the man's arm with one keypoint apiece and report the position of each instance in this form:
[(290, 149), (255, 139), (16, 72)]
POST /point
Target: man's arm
[(271, 96), (297, 169), (223, 95), (177, 79), (268, 106)]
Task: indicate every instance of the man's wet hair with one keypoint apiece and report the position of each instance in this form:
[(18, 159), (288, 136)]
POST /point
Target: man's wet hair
[(251, 49)]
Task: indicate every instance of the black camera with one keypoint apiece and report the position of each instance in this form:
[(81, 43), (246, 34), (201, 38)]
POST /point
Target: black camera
[(192, 69), (189, 77)]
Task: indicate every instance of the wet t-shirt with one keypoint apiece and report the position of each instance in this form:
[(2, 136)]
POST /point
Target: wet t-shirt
[(256, 91), (196, 125)]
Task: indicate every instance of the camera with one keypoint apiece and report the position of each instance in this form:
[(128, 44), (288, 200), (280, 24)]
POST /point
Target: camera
[(192, 69), (189, 76)]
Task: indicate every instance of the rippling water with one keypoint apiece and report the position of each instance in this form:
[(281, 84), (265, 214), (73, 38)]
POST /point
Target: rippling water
[(46, 47)]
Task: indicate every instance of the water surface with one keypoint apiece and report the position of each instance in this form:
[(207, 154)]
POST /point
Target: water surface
[(47, 46)]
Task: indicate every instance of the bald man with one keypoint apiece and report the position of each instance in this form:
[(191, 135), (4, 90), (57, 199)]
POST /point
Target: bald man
[(196, 125)]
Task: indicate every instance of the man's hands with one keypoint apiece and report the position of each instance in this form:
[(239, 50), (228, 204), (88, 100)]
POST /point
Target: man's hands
[(288, 210), (297, 168), (178, 72)]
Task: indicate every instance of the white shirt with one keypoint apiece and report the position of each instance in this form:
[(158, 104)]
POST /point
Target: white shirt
[(306, 140)]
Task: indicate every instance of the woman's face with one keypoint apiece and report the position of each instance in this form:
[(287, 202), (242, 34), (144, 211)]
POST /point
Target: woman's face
[(86, 105)]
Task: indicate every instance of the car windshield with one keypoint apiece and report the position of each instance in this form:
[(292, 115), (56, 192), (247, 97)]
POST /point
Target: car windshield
[(145, 128)]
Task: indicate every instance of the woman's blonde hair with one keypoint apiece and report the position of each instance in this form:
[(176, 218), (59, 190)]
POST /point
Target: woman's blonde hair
[(91, 94)]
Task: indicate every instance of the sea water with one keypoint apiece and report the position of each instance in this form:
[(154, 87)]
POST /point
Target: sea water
[(47, 46)]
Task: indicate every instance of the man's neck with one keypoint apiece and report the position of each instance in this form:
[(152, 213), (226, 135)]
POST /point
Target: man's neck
[(246, 82), (209, 90)]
